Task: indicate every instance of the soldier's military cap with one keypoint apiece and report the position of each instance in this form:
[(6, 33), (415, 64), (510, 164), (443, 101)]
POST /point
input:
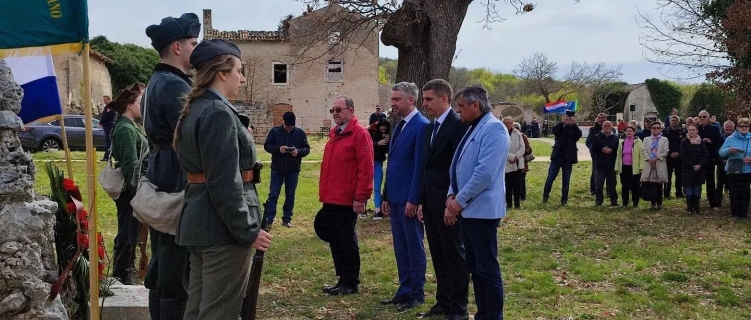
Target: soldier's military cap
[(208, 49), (171, 29)]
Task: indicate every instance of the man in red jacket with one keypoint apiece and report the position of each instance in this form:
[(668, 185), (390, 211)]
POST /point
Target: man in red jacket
[(345, 185)]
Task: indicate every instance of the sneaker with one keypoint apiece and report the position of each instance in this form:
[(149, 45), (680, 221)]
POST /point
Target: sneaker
[(287, 224), (377, 218), (364, 215)]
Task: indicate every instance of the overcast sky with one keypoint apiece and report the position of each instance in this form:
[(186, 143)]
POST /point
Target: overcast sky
[(590, 31)]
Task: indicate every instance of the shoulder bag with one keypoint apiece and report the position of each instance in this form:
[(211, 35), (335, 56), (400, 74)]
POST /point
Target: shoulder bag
[(161, 210), (735, 166), (111, 179)]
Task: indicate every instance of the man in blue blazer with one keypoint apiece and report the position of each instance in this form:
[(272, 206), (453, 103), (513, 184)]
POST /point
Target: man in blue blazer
[(477, 196), (401, 197)]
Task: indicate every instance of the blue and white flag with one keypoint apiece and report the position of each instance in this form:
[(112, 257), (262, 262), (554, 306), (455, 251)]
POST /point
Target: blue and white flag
[(36, 75)]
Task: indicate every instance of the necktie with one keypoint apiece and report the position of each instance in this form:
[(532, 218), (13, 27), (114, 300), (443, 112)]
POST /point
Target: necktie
[(436, 125), (398, 130), (338, 131)]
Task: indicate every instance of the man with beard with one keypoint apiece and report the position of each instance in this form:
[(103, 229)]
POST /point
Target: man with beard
[(174, 39)]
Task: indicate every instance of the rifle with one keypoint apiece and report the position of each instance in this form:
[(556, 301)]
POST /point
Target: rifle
[(143, 263), (250, 302)]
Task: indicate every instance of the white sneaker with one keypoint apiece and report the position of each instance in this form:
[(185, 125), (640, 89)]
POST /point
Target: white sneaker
[(377, 218)]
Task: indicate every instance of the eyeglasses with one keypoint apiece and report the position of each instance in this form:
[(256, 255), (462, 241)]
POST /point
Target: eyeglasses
[(336, 110), (703, 117)]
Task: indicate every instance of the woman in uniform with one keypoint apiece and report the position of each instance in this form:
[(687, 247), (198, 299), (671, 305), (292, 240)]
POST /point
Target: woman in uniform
[(221, 219)]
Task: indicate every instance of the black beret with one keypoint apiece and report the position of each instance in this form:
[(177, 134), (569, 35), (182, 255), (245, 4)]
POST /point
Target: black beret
[(208, 49), (171, 29)]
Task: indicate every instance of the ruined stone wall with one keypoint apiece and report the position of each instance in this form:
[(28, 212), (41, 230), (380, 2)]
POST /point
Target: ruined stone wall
[(26, 222), (69, 72)]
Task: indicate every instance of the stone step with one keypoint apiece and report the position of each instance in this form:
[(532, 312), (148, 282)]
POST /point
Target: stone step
[(130, 302)]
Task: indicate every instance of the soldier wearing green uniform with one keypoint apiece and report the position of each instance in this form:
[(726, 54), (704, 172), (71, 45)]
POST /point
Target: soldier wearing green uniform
[(221, 219)]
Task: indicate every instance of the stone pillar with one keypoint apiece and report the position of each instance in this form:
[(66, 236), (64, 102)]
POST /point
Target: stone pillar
[(27, 266)]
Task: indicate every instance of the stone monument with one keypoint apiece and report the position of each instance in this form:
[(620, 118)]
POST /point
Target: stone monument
[(27, 266)]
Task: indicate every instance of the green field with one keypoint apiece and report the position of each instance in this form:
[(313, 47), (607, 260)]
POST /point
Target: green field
[(574, 262)]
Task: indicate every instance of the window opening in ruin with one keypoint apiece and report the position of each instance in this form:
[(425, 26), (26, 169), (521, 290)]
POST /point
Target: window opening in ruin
[(334, 37), (281, 73), (334, 71)]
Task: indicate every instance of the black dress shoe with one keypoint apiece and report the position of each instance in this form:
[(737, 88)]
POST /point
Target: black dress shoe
[(393, 301), (342, 291), (409, 305), (435, 310), (327, 288), (455, 316)]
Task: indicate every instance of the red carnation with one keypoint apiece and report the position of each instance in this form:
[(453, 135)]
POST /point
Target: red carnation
[(69, 185), (71, 207), (83, 215), (75, 193), (83, 241), (85, 224), (100, 238), (101, 252), (101, 270)]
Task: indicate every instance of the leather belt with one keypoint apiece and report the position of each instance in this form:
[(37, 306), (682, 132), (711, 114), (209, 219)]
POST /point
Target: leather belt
[(200, 178)]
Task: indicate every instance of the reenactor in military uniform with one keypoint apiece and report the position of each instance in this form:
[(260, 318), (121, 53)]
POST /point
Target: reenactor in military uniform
[(221, 220)]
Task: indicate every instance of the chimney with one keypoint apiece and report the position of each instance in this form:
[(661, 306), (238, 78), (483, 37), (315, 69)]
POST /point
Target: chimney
[(207, 20)]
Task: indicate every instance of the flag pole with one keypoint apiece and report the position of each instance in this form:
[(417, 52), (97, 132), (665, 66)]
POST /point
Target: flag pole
[(91, 191), (68, 162)]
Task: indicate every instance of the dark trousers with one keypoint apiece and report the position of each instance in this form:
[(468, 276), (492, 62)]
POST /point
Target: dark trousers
[(523, 184), (339, 224), (107, 143), (167, 277), (126, 239), (722, 182), (289, 179), (710, 181), (513, 189), (481, 243), (603, 175), (592, 182), (740, 187), (674, 166), (553, 169), (410, 253), (447, 252), (630, 185)]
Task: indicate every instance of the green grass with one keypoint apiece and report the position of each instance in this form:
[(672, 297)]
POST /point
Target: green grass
[(541, 148), (574, 262)]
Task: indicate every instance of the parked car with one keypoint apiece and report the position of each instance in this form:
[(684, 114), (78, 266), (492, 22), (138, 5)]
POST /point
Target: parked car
[(43, 136)]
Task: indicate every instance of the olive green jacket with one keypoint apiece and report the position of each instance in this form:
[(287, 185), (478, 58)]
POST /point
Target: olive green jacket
[(128, 141), (224, 210)]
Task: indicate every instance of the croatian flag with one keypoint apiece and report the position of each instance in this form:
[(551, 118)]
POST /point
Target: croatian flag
[(560, 107), (36, 75)]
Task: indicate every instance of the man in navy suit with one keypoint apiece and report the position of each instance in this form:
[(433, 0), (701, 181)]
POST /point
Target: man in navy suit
[(477, 198), (401, 197), (440, 141)]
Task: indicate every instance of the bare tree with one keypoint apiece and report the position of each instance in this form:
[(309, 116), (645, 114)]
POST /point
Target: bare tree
[(539, 74), (424, 32), (683, 34)]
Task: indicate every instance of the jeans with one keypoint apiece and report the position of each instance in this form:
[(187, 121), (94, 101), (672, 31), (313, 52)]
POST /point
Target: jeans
[(630, 185), (553, 169), (377, 183), (603, 175), (693, 190), (289, 179), (674, 166), (513, 189), (481, 243)]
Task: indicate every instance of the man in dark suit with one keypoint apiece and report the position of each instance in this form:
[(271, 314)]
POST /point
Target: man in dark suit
[(712, 138), (440, 141), (401, 196)]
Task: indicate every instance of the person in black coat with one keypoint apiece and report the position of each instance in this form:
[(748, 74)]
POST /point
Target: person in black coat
[(107, 123), (379, 133), (694, 156), (534, 129), (594, 131), (377, 116), (675, 135), (174, 39), (441, 139), (564, 155), (605, 146), (713, 140), (287, 145), (645, 132)]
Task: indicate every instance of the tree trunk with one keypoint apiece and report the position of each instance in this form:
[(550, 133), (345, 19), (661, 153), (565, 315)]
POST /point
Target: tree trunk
[(425, 34)]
